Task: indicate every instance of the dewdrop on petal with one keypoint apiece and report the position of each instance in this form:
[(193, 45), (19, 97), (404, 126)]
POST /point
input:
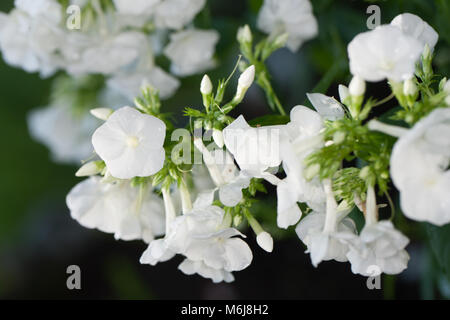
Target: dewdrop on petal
[(206, 85), (101, 113), (265, 241)]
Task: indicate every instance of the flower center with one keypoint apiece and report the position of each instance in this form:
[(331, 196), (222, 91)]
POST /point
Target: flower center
[(386, 65), (132, 141)]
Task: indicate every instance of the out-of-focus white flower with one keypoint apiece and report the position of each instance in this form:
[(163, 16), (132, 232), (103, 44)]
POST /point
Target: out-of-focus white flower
[(326, 237), (301, 136), (65, 132), (49, 9), (294, 17), (385, 52), (116, 208), (131, 143), (30, 36), (414, 26), (108, 54), (419, 168), (379, 244), (191, 51), (138, 7), (130, 84), (175, 14)]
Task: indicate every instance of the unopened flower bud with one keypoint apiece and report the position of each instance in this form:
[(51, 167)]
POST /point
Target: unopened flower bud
[(265, 241), (357, 86), (244, 34), (218, 137), (245, 81), (311, 171), (90, 169), (343, 92), (206, 85), (447, 87), (409, 88), (102, 113), (281, 40)]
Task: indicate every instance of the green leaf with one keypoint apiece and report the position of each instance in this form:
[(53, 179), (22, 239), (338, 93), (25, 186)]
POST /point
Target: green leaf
[(439, 238), (269, 120)]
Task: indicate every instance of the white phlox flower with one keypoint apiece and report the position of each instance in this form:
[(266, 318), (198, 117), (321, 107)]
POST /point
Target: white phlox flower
[(256, 150), (380, 247), (384, 53), (64, 131), (202, 235), (420, 168), (301, 136), (117, 208), (131, 143), (229, 181), (191, 51), (294, 17), (327, 235)]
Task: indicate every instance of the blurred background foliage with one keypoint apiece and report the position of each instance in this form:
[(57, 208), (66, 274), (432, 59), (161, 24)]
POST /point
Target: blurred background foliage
[(38, 239)]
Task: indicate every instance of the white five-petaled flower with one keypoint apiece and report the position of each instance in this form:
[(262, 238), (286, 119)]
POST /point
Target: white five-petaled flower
[(414, 26), (117, 208), (255, 150), (191, 51), (385, 52), (420, 168), (131, 143), (327, 235), (379, 244), (211, 248), (294, 17)]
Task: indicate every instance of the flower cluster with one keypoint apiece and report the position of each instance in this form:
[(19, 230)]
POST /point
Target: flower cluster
[(190, 191), (109, 40), (308, 157)]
